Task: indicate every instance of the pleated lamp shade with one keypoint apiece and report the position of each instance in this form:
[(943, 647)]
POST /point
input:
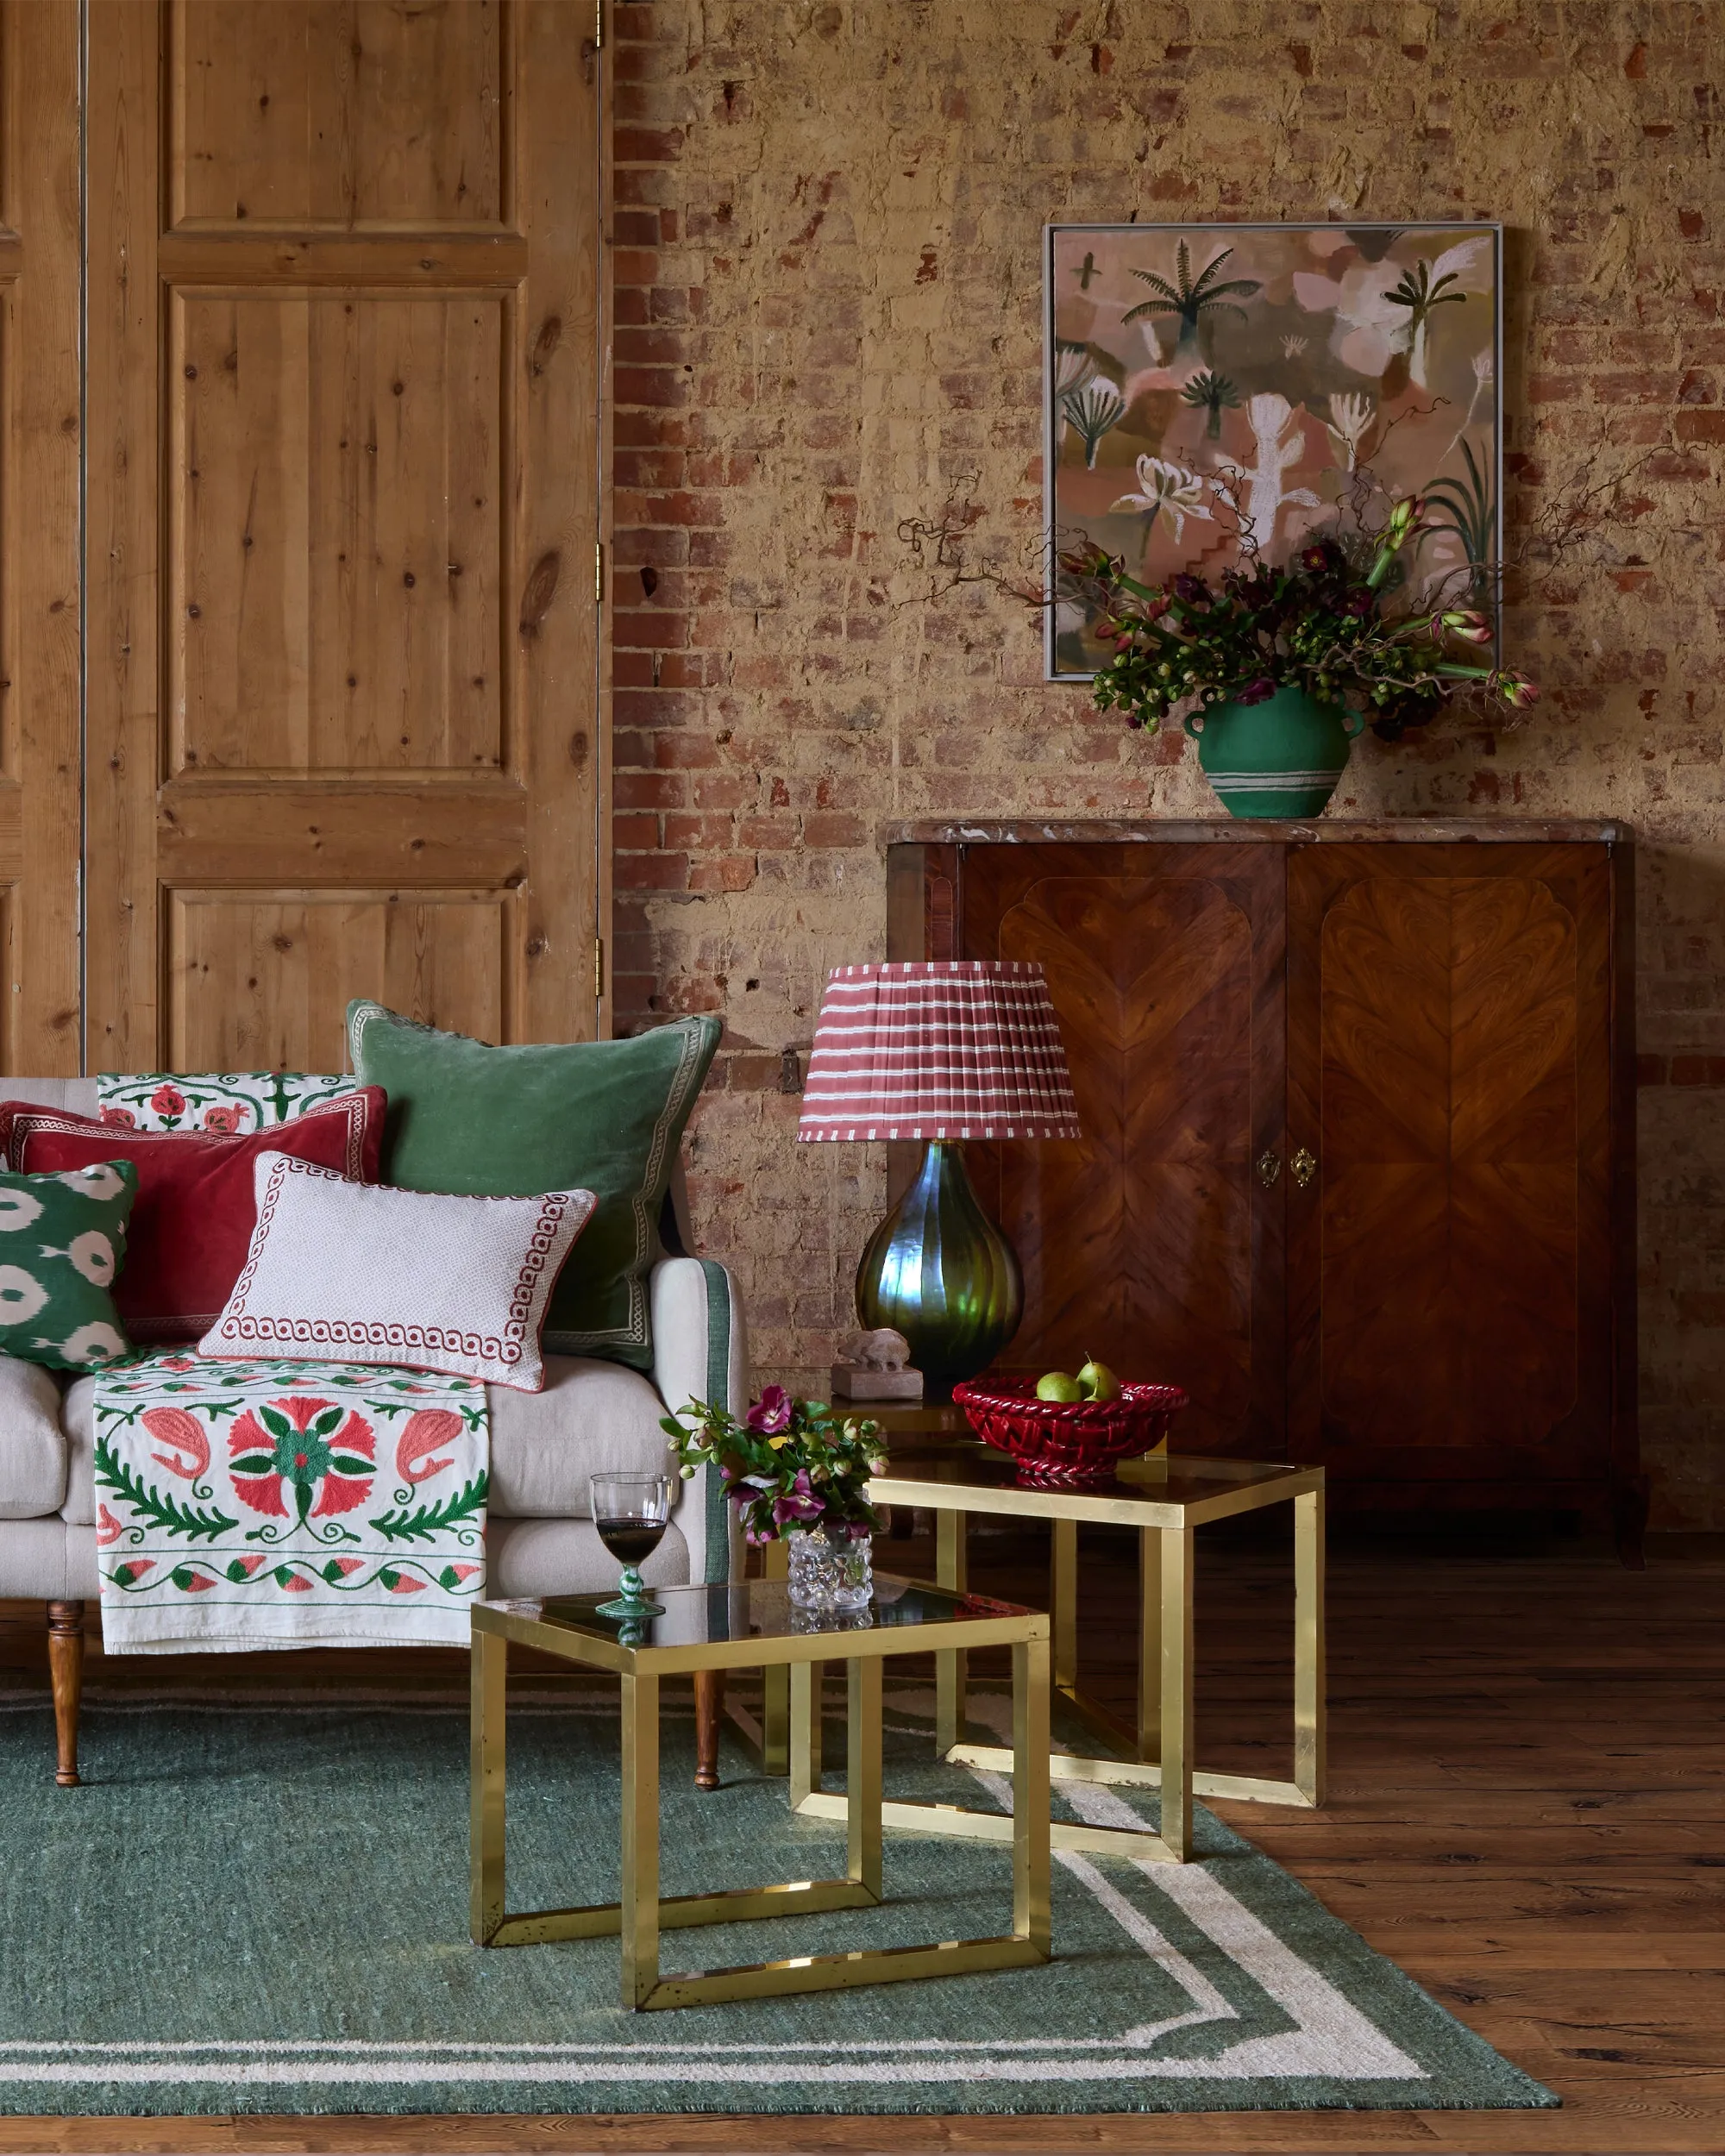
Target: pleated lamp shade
[(938, 1049)]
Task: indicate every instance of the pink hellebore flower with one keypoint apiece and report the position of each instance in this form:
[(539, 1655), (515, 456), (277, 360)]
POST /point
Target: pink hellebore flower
[(798, 1503), (771, 1413)]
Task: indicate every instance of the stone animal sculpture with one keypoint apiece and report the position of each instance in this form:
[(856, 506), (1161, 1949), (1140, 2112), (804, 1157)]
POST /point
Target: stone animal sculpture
[(883, 1349)]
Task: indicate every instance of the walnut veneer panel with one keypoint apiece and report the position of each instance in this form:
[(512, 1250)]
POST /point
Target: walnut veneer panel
[(343, 113)]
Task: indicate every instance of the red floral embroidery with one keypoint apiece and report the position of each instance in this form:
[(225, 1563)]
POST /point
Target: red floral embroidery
[(305, 1445), (225, 1119), (426, 1429), (168, 1101), (172, 1427), (121, 1118)]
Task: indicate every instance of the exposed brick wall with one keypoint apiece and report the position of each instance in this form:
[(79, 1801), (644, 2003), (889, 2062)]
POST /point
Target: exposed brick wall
[(827, 276)]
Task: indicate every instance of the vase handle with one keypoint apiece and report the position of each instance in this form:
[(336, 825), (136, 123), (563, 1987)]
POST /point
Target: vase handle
[(1353, 723), (1193, 723)]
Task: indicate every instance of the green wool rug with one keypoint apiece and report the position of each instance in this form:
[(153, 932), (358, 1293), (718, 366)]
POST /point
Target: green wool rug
[(263, 1909)]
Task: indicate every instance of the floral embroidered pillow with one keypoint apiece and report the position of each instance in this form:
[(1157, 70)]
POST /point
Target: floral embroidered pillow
[(62, 1244), (228, 1103)]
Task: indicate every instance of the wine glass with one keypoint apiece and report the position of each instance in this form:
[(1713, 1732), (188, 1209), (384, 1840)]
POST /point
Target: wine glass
[(632, 1512)]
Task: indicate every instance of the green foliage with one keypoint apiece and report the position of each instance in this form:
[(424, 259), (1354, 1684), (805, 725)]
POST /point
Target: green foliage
[(1419, 295), (788, 1466), (1211, 392), (1190, 297), (429, 1520), (1466, 506), (192, 1521)]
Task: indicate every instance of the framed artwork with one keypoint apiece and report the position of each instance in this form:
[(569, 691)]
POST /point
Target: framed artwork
[(1203, 382)]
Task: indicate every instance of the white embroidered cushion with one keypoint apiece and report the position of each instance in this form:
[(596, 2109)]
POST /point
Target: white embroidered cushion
[(347, 1272)]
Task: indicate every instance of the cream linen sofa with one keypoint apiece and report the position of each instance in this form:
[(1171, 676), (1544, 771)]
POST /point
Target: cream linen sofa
[(540, 1537)]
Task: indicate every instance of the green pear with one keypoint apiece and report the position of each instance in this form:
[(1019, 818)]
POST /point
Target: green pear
[(1057, 1385), (1097, 1382)]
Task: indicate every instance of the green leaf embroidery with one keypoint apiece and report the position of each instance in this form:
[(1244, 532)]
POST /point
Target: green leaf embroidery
[(403, 1527), (160, 1511), (276, 1423)]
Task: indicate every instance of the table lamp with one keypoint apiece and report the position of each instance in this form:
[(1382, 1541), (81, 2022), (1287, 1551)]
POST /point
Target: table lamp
[(941, 1049)]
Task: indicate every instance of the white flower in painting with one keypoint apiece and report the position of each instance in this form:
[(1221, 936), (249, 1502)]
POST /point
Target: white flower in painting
[(1293, 346), (1483, 368), (1168, 486), (1281, 441), (1350, 417), (1073, 367)]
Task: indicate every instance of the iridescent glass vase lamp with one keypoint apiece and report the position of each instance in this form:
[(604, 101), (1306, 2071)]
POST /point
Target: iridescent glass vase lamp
[(941, 1051)]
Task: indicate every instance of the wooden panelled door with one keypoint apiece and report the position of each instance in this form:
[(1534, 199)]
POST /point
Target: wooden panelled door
[(342, 506), (1153, 1240), (1449, 1250)]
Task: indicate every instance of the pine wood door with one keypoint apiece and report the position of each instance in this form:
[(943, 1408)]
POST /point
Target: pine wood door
[(343, 386), (39, 653), (1449, 1259), (1154, 1240)]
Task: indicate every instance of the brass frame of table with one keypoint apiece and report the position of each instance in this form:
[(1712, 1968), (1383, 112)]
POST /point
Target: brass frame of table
[(1160, 1748), (640, 1915)]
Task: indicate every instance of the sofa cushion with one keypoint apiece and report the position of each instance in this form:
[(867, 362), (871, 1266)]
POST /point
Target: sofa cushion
[(238, 1101), (566, 1557), (605, 1116), (32, 1448), (591, 1419)]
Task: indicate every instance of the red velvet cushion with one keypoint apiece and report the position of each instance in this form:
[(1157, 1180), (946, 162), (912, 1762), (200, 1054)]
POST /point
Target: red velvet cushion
[(193, 1223)]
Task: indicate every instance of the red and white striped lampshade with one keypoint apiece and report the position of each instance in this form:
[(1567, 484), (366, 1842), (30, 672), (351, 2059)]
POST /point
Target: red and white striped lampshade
[(937, 1048)]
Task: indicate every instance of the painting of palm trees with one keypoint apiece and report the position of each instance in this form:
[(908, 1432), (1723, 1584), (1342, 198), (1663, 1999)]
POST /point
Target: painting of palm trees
[(1219, 390)]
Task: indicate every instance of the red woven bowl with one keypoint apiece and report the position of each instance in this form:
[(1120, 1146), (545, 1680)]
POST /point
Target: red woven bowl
[(1059, 1444)]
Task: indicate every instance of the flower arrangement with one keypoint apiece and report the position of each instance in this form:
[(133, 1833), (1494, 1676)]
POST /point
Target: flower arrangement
[(1327, 622), (787, 1466)]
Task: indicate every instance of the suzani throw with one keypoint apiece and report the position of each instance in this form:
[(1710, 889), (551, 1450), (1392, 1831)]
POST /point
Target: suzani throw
[(283, 1504)]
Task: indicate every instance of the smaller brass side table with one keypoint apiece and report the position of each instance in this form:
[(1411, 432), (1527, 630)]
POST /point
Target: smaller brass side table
[(755, 1625), (1165, 1499)]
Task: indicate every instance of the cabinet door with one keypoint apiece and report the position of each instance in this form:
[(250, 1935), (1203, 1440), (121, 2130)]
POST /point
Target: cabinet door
[(1449, 1073), (1154, 1240), (343, 386)]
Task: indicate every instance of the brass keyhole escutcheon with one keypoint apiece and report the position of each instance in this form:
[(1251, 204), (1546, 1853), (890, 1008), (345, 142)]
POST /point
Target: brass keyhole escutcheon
[(1305, 1165), (1269, 1167)]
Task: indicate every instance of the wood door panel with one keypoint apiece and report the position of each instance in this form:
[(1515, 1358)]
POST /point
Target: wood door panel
[(338, 113), (1448, 1035), (261, 980), (343, 502), (336, 539), (1143, 1241)]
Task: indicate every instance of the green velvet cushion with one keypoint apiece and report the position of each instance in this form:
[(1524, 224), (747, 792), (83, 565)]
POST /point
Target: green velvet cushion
[(62, 1244), (605, 1116)]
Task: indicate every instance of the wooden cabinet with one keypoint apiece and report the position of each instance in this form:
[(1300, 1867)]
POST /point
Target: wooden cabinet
[(1358, 1159)]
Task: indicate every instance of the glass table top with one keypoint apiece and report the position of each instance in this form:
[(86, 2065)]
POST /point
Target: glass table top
[(1159, 1478), (753, 1610)]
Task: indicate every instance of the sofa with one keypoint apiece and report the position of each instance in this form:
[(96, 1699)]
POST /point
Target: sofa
[(540, 1537)]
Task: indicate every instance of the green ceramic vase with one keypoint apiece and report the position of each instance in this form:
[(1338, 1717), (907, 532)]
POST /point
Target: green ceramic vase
[(1282, 757), (939, 1271)]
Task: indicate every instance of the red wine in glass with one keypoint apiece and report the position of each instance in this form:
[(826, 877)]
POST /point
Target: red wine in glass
[(631, 1513)]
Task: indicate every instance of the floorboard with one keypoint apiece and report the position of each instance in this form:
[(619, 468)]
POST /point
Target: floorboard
[(1527, 1749)]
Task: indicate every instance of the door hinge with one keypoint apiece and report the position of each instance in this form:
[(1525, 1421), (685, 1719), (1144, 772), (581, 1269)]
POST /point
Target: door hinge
[(598, 967), (599, 572), (598, 24)]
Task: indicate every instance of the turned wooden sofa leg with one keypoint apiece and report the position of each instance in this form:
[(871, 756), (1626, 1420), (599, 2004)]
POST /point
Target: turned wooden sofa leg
[(66, 1669), (709, 1713)]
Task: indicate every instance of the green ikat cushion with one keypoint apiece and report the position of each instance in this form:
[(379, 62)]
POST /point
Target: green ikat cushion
[(62, 1244), (604, 1116)]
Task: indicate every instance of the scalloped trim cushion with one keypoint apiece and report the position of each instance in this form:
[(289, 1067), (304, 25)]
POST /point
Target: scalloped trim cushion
[(345, 1272), (194, 1211)]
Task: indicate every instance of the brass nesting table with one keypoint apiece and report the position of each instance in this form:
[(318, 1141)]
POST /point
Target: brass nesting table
[(750, 1625), (1165, 1500)]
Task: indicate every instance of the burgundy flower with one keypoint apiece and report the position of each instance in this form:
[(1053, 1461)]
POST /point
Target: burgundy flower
[(1259, 691), (1192, 589), (771, 1413), (1314, 558), (798, 1503), (1358, 605)]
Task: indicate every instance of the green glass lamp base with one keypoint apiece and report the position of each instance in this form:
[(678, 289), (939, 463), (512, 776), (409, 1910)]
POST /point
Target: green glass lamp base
[(939, 1271)]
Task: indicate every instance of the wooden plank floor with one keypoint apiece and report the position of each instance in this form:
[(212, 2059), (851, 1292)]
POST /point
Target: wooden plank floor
[(1527, 1814)]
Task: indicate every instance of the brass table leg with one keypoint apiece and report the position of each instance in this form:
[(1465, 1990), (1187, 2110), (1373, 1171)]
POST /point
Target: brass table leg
[(1032, 1833), (639, 1909), (1150, 1643), (808, 1679), (1177, 1692), (775, 1680), (1310, 1765), (950, 1669), (864, 1773), (1064, 1600), (490, 1673)]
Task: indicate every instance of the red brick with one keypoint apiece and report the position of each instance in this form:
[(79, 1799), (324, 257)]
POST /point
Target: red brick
[(649, 789), (650, 872), (1700, 426)]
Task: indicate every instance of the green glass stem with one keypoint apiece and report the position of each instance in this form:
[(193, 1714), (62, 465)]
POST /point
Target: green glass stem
[(632, 1599), (939, 1271)]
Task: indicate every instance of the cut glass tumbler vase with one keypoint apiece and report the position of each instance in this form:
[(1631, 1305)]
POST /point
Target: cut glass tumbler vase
[(830, 1576)]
